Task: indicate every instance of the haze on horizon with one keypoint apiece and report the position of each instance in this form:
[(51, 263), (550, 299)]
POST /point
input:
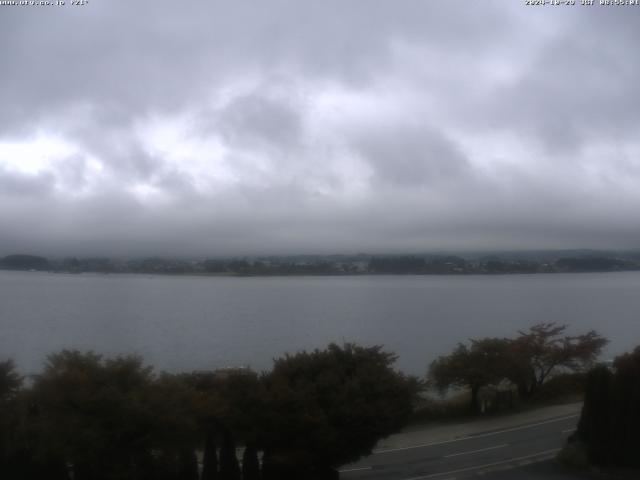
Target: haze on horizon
[(217, 128)]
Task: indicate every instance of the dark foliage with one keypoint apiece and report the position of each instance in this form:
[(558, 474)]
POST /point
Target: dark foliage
[(610, 419), (210, 458), (476, 366), (527, 361), (329, 407), (543, 350), (188, 465), (229, 468), (594, 426), (92, 418), (250, 463), (563, 386), (10, 381)]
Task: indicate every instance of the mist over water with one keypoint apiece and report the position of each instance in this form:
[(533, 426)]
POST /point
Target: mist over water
[(186, 323)]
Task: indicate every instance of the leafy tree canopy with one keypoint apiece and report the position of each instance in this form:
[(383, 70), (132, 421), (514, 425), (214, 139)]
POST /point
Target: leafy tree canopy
[(10, 381), (527, 360), (544, 349), (610, 418), (330, 407), (475, 366), (94, 412)]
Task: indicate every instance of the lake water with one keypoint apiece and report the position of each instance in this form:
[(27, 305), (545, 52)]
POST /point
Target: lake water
[(185, 323)]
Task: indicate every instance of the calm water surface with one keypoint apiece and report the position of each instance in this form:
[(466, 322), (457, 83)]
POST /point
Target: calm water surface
[(185, 323)]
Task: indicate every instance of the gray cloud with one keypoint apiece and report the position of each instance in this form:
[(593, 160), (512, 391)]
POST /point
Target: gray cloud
[(261, 122), (246, 127), (406, 156), (20, 184)]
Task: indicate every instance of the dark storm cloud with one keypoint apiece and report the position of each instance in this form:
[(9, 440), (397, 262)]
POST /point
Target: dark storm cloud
[(288, 126)]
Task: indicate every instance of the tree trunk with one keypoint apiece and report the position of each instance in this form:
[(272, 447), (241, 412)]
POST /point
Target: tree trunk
[(229, 468), (475, 404), (250, 464), (210, 458), (526, 389), (188, 465), (594, 426), (167, 466), (522, 390), (533, 388)]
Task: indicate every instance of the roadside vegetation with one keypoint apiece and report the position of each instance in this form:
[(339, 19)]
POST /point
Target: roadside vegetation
[(607, 433), (539, 365), (87, 417)]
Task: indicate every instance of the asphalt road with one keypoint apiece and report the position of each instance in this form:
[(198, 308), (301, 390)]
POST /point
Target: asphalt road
[(467, 456)]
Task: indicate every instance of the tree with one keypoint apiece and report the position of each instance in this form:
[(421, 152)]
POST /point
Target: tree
[(625, 412), (610, 418), (187, 464), (92, 412), (229, 468), (10, 384), (594, 426), (473, 367), (250, 463), (329, 407), (10, 380), (171, 401), (543, 350), (113, 418), (527, 361), (210, 458), (229, 406)]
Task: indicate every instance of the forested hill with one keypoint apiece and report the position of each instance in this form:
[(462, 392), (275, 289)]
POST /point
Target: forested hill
[(360, 264), (24, 262)]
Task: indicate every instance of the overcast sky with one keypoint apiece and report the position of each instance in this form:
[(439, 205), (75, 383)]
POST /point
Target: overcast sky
[(253, 127)]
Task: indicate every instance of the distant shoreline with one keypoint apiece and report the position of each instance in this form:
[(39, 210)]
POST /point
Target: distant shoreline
[(280, 275), (332, 265)]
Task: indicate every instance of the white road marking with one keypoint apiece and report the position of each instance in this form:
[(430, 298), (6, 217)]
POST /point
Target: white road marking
[(354, 469), (476, 451), (486, 465), (569, 430), (471, 437)]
